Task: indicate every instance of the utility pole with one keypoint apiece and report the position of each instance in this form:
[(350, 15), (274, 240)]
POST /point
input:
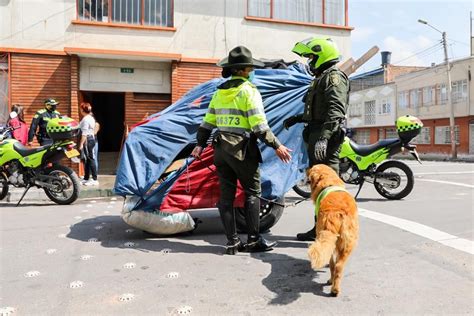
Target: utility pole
[(452, 131), (449, 90)]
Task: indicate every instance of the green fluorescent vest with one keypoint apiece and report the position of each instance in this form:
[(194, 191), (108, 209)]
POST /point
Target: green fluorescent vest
[(236, 110), (323, 194)]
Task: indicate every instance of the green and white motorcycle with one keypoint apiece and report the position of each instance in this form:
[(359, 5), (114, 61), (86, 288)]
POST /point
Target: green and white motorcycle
[(358, 164), (25, 167)]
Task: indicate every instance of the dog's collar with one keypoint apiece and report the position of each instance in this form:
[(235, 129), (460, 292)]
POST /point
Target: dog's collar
[(323, 194)]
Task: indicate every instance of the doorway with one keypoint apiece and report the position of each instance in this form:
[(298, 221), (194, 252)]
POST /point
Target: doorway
[(109, 111)]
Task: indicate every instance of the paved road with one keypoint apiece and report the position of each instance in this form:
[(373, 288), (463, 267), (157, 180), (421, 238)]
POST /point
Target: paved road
[(414, 257)]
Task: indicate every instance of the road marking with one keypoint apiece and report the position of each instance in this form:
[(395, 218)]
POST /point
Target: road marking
[(448, 182), (443, 172), (421, 230)]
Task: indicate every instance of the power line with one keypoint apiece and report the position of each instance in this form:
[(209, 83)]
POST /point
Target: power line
[(434, 48)]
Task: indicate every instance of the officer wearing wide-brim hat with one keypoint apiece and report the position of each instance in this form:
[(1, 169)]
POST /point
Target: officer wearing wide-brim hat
[(236, 110)]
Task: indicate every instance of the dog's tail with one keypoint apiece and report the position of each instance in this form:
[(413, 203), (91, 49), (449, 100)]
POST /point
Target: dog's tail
[(321, 250)]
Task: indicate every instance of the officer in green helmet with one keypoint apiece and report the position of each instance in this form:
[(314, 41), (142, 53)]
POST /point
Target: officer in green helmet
[(325, 107), (40, 121), (236, 110)]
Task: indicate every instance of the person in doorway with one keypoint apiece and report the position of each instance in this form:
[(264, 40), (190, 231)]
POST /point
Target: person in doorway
[(17, 122), (40, 120), (325, 107), (96, 147), (87, 143), (236, 110)]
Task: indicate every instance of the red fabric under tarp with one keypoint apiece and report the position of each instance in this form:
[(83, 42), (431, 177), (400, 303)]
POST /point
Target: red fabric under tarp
[(198, 187)]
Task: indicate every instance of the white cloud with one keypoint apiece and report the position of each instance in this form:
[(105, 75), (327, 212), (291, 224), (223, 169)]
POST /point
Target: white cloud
[(362, 33), (404, 51)]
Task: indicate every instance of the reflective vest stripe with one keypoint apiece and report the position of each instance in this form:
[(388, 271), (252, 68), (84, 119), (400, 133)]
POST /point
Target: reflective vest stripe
[(325, 193), (208, 125)]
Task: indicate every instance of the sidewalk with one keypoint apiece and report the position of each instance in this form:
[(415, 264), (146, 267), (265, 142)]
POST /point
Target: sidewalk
[(435, 157), (104, 189)]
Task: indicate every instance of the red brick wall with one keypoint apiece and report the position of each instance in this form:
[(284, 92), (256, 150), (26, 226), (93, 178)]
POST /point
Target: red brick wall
[(186, 75), (35, 78)]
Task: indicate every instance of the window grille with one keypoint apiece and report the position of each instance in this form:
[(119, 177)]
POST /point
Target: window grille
[(134, 12), (369, 115)]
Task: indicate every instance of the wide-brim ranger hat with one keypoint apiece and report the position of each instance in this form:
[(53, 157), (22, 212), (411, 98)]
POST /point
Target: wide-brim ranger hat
[(238, 57)]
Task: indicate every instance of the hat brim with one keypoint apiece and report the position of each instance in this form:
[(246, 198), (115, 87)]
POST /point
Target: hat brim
[(224, 63)]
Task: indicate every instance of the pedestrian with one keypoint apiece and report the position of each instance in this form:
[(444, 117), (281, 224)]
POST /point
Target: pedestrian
[(236, 110), (40, 121), (87, 143), (17, 122), (96, 147), (325, 107)]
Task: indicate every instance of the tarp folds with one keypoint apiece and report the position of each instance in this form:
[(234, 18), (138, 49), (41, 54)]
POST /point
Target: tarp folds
[(151, 147)]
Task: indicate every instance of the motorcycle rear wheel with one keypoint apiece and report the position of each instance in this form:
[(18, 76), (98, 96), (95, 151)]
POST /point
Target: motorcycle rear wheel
[(404, 177), (270, 214), (66, 179), (3, 186)]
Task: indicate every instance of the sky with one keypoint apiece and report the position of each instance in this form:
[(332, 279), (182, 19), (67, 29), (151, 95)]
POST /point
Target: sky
[(393, 26)]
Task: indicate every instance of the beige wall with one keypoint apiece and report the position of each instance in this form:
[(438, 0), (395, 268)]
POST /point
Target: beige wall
[(202, 31), (434, 76), (381, 94)]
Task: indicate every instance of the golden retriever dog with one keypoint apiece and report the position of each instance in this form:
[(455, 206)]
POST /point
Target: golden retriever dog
[(337, 227)]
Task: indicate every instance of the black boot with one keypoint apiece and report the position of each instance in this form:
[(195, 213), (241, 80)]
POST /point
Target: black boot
[(310, 235), (259, 244), (233, 246), (227, 212)]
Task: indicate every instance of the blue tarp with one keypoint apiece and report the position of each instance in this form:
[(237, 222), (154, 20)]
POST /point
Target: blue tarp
[(150, 148)]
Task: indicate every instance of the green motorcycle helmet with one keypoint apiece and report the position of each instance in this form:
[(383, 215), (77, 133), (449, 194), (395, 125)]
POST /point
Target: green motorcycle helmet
[(323, 49), (62, 128), (408, 127)]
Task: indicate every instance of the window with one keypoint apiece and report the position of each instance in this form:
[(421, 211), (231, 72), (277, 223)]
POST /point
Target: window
[(4, 84), (391, 133), (424, 137), (381, 133), (369, 115), (385, 107), (441, 93), (415, 98), (428, 96), (459, 90), (355, 110), (134, 12), (403, 99), (306, 11), (443, 135), (362, 136)]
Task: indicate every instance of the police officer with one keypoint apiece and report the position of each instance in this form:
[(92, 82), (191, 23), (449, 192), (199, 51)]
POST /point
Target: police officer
[(236, 110), (40, 120), (325, 107)]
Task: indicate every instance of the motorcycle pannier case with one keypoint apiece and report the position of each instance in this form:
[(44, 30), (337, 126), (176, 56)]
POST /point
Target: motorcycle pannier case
[(408, 127), (62, 128)]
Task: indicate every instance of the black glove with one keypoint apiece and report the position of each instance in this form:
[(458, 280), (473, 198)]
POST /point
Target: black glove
[(320, 148), (292, 120)]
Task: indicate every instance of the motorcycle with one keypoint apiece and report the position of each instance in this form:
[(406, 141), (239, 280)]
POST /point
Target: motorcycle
[(25, 167), (358, 164)]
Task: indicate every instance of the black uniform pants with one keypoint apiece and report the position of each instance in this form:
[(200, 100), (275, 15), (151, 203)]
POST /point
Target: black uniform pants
[(229, 170)]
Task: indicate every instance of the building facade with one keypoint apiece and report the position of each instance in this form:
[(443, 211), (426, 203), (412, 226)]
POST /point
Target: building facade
[(133, 58), (420, 92)]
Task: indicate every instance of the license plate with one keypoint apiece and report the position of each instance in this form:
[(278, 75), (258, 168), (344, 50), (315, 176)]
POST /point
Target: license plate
[(72, 153)]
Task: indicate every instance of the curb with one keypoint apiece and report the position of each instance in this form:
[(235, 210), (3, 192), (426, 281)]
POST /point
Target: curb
[(38, 195)]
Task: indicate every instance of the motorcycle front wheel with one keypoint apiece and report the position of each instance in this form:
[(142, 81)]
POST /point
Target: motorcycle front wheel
[(66, 185), (3, 186), (400, 176), (270, 214), (303, 187)]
